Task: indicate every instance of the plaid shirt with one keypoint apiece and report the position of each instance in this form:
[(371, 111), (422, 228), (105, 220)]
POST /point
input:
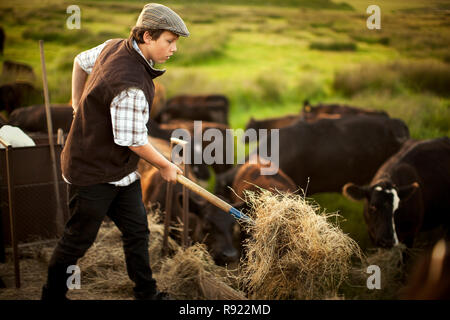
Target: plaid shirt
[(129, 110)]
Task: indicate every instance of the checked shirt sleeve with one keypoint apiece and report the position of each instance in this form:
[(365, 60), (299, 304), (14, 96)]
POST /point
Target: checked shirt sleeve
[(129, 115), (86, 59)]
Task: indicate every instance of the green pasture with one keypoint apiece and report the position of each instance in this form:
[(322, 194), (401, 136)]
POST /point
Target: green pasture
[(268, 57)]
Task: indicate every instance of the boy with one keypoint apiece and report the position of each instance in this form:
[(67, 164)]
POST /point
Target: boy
[(107, 138)]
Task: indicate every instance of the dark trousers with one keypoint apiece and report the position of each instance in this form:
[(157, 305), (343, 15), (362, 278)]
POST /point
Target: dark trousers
[(88, 207)]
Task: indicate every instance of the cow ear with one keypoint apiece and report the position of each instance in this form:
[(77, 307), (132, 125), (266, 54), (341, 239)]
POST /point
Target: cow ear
[(406, 192), (354, 192)]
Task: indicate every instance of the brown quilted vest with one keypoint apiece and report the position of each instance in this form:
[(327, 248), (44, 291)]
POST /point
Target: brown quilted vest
[(90, 155)]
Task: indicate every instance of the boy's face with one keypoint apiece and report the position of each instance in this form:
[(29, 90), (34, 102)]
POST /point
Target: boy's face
[(160, 50)]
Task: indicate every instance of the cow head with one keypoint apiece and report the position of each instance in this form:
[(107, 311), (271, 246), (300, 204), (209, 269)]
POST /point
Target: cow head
[(383, 199), (216, 229)]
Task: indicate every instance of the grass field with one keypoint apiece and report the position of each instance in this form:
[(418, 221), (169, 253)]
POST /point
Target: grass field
[(268, 58)]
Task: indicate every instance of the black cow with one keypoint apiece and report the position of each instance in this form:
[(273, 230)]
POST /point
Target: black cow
[(213, 108), (34, 118), (321, 111), (17, 70), (272, 123), (310, 114), (333, 152), (19, 94), (156, 130), (207, 223), (408, 194)]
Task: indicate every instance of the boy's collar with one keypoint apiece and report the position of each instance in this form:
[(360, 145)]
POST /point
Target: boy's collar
[(150, 62)]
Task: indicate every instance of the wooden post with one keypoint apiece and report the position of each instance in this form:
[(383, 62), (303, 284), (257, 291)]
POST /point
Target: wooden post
[(59, 214)]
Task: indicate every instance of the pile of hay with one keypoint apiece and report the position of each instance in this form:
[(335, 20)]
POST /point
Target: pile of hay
[(183, 273), (192, 274), (294, 252), (392, 274)]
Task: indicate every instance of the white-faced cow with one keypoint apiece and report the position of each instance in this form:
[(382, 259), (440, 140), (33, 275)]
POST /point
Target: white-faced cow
[(408, 194), (331, 152)]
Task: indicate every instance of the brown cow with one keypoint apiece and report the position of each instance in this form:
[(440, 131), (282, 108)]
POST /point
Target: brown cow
[(248, 177), (213, 108)]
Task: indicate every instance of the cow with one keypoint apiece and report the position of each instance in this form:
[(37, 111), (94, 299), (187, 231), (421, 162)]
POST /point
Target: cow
[(207, 223), (164, 132), (34, 118), (18, 94), (310, 114), (205, 125), (322, 111), (331, 152), (409, 193), (272, 123), (16, 70), (249, 178), (212, 108)]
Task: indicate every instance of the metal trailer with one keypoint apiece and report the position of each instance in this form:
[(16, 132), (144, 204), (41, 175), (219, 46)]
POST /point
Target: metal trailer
[(28, 206)]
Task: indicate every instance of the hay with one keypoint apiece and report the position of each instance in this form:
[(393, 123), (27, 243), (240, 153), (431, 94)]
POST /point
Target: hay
[(192, 274), (294, 252), (392, 273)]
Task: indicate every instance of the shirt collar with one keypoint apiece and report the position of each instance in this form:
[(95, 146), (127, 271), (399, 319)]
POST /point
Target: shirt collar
[(150, 62)]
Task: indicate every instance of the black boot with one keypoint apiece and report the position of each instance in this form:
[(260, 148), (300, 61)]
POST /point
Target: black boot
[(154, 295), (56, 286)]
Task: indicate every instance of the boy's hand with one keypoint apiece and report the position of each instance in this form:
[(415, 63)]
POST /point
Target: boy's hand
[(169, 172)]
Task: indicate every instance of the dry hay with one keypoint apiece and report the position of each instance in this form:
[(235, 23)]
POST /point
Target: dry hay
[(192, 274), (392, 269), (294, 251)]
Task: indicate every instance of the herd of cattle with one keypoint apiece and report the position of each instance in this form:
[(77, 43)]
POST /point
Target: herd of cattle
[(325, 148), (362, 153)]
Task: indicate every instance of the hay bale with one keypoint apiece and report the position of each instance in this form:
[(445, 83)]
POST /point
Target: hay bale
[(192, 274), (294, 251)]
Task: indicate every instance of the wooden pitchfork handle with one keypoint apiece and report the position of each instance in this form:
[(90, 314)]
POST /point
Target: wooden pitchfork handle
[(213, 199)]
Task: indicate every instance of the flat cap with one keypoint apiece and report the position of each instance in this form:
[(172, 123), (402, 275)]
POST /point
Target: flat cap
[(158, 16)]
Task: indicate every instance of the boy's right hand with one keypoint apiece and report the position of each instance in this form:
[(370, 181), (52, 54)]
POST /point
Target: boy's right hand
[(169, 172)]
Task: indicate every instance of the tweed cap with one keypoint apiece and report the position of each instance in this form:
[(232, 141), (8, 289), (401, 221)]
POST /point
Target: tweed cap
[(158, 16)]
